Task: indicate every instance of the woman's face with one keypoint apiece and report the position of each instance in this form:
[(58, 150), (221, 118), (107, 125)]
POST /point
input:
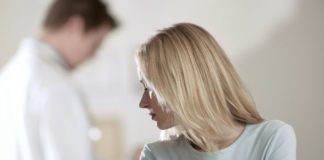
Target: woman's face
[(149, 101)]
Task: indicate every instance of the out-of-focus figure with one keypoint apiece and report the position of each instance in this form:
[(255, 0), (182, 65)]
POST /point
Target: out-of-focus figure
[(42, 113)]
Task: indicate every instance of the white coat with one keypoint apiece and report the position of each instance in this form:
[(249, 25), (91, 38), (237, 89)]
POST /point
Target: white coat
[(42, 115)]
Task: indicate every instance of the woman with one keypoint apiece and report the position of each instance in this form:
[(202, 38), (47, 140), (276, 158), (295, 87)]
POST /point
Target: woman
[(191, 87)]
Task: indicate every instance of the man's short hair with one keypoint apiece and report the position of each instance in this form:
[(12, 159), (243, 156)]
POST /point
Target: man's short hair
[(93, 12)]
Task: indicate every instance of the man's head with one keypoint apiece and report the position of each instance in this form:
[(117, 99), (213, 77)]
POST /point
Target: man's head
[(76, 28)]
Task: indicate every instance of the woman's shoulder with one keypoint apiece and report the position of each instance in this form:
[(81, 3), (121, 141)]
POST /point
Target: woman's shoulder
[(270, 139), (270, 127), (166, 145), (272, 132), (277, 138), (164, 149)]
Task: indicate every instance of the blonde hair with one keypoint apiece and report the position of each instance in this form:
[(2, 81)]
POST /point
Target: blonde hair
[(193, 78)]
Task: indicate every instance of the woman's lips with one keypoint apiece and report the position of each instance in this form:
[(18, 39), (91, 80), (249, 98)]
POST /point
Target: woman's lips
[(153, 115)]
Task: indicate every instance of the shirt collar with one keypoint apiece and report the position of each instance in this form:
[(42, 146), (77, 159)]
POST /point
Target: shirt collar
[(47, 52)]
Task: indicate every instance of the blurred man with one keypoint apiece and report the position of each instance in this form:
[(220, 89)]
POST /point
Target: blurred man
[(42, 115)]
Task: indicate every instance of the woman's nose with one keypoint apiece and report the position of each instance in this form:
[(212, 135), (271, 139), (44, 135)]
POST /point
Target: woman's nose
[(144, 103)]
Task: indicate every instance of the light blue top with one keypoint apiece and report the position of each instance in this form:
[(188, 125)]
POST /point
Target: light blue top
[(269, 140)]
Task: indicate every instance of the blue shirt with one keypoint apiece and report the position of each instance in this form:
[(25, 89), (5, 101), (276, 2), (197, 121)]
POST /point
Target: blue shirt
[(269, 140)]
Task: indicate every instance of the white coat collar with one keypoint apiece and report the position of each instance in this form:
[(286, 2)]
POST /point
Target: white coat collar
[(47, 52)]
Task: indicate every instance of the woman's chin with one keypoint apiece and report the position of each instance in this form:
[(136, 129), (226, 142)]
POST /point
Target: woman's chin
[(164, 126)]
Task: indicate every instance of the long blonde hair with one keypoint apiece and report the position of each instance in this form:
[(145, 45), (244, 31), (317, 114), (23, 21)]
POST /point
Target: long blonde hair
[(193, 78)]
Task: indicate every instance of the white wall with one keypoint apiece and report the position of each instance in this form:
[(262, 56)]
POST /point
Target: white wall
[(277, 47)]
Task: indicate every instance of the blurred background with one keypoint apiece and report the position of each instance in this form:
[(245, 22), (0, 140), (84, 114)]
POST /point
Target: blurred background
[(277, 47)]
